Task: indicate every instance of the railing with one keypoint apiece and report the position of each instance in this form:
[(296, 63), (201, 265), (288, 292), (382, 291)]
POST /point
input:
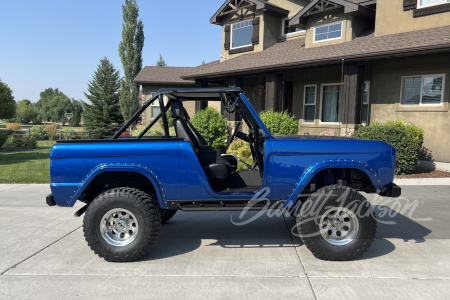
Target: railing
[(51, 135)]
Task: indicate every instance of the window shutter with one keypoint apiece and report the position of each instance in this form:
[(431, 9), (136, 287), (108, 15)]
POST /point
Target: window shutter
[(227, 29), (409, 4), (255, 35)]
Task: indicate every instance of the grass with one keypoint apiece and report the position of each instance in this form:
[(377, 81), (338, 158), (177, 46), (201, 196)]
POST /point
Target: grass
[(25, 167), (28, 166), (23, 126)]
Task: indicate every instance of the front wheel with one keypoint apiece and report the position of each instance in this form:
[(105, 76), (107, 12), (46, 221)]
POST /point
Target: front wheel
[(337, 223), (122, 224)]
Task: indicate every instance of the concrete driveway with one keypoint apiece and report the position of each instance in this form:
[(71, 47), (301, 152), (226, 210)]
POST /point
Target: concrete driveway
[(203, 255)]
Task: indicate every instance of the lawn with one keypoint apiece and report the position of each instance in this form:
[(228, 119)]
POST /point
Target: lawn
[(23, 126), (27, 166)]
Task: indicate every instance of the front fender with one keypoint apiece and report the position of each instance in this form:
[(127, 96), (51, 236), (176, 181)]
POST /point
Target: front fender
[(310, 172), (58, 189)]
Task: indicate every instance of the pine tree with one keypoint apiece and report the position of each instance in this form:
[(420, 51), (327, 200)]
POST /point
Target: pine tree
[(7, 103), (161, 62), (130, 51), (103, 115)]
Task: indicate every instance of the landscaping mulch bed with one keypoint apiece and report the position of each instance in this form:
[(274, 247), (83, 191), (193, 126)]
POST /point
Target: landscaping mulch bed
[(425, 174)]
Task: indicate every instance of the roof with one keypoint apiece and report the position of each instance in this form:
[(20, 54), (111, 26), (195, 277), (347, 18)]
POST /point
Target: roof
[(232, 6), (164, 75), (293, 54)]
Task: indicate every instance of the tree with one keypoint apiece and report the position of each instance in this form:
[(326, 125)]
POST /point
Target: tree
[(130, 51), (203, 63), (27, 112), (7, 103), (54, 107), (161, 62), (103, 115), (77, 111)]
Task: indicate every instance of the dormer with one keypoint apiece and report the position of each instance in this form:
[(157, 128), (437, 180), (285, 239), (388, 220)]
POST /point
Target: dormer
[(254, 25), (329, 22)]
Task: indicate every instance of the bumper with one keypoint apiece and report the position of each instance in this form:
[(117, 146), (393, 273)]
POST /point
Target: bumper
[(394, 191), (50, 201)]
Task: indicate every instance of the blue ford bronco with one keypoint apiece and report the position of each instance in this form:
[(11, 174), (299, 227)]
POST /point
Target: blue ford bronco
[(132, 185)]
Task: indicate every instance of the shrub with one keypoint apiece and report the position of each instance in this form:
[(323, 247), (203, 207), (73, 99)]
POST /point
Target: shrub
[(32, 143), (241, 149), (70, 133), (24, 141), (3, 138), (39, 132), (126, 134), (154, 131), (14, 126), (279, 123), (212, 126), (52, 133), (407, 139)]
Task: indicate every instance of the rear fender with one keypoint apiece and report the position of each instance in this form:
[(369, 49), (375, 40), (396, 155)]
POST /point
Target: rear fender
[(312, 171), (133, 167)]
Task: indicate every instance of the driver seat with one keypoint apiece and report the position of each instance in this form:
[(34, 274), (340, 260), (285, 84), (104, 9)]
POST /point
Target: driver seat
[(214, 166), (202, 142)]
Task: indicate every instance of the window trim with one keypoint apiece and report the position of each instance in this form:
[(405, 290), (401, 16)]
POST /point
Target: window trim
[(309, 104), (368, 104), (329, 24), (430, 5), (231, 34), (287, 34), (321, 102), (155, 103), (421, 90)]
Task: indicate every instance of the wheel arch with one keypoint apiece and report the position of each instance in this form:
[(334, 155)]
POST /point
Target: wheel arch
[(127, 175), (312, 171)]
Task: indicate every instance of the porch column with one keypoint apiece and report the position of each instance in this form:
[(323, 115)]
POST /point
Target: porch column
[(234, 82), (273, 91), (199, 105), (353, 90)]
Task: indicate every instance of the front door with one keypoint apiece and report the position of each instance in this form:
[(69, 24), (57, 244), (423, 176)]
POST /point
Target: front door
[(288, 95)]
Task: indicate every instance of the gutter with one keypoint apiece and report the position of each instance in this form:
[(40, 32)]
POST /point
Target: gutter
[(326, 61)]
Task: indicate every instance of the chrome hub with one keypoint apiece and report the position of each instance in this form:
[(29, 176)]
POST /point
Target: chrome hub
[(119, 227)]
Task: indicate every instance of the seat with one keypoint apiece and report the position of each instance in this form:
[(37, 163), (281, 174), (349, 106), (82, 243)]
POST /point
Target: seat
[(202, 142), (214, 166)]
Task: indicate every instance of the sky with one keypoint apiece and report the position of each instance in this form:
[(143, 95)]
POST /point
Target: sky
[(59, 43)]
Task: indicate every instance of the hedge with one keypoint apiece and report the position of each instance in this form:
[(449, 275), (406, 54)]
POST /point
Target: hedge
[(241, 149), (212, 126), (407, 139), (279, 123)]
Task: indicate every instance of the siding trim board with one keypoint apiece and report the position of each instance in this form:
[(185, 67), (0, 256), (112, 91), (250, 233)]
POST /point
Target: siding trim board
[(426, 11)]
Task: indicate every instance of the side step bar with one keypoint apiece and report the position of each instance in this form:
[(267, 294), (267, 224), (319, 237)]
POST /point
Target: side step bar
[(225, 205)]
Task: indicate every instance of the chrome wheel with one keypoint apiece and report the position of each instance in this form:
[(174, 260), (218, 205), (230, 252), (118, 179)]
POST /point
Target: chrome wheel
[(339, 226), (119, 227)]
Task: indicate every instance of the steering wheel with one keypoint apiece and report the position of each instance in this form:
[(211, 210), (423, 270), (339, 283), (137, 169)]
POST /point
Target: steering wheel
[(235, 131)]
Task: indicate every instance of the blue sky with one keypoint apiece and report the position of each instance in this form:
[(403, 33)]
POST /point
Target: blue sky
[(58, 43)]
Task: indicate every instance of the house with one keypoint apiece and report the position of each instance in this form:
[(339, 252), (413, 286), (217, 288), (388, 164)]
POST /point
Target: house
[(334, 64)]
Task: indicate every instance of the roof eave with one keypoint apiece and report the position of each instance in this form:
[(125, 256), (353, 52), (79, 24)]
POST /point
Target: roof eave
[(326, 61), (142, 82)]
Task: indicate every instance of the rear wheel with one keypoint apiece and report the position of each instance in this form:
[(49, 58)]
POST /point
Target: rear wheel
[(122, 224), (337, 223)]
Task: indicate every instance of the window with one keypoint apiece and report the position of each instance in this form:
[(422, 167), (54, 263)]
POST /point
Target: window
[(286, 29), (155, 109), (328, 32), (423, 90), (365, 105), (426, 3), (241, 34), (309, 104), (331, 103)]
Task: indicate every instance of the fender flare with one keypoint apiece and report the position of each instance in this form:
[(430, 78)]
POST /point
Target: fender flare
[(312, 171), (133, 167)]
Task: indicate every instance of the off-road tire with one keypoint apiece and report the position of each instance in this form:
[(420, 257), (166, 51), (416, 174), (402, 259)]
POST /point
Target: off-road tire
[(167, 214), (141, 205), (308, 226)]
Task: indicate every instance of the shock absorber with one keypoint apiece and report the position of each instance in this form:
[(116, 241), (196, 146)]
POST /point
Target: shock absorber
[(328, 178)]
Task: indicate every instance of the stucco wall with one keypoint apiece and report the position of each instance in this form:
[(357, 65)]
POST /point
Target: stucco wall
[(386, 92), (328, 18), (392, 19), (148, 88)]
